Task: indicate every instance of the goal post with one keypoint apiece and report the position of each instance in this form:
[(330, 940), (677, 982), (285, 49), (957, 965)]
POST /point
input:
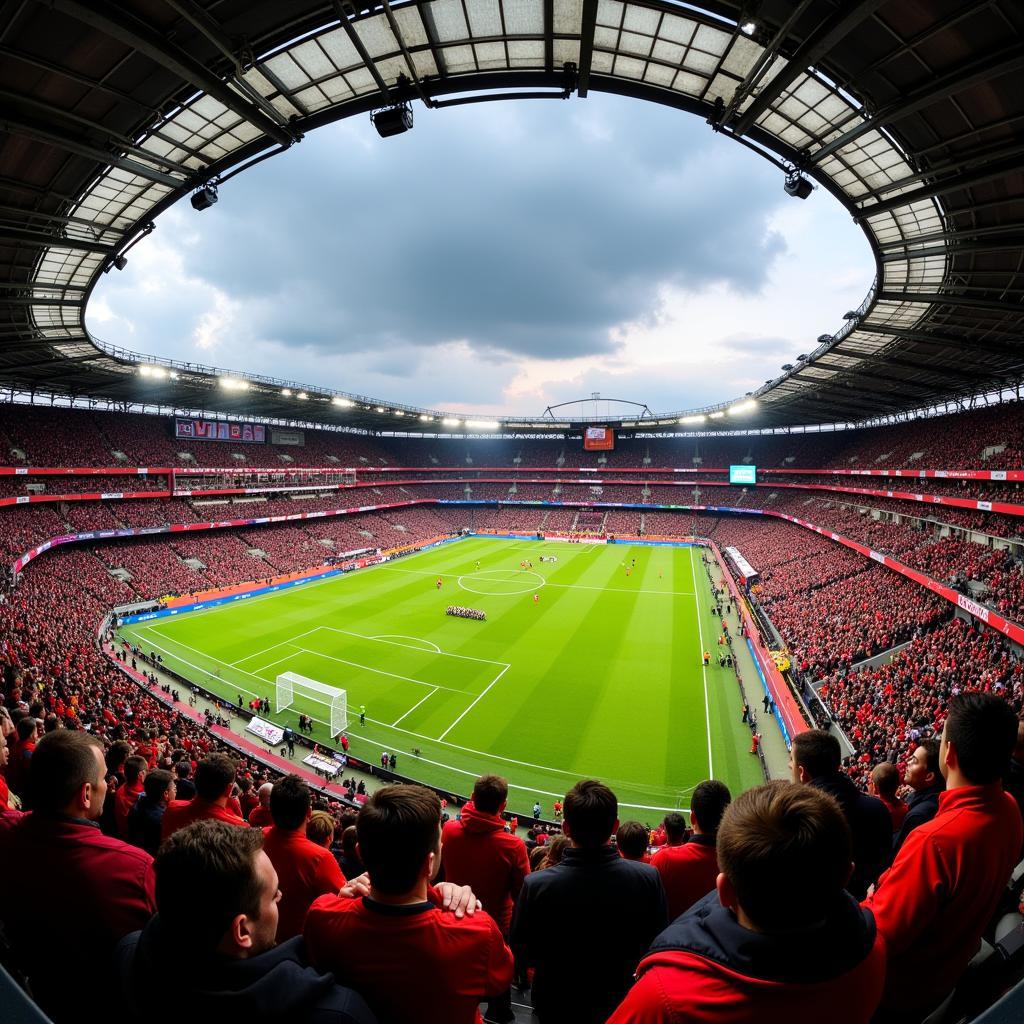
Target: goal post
[(331, 698)]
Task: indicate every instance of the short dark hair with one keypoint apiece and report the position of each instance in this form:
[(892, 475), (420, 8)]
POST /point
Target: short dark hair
[(183, 768), (632, 839), (708, 804), (205, 876), (156, 783), (397, 827), (817, 751), (983, 728), (489, 793), (887, 779), (134, 766), (289, 802), (27, 727), (674, 825), (213, 775), (116, 755), (591, 810), (63, 762), (786, 849)]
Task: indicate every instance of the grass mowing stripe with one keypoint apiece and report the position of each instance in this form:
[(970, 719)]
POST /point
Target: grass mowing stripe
[(703, 668)]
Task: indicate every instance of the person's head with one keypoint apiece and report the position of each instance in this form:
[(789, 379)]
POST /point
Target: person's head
[(977, 740), (815, 753), (28, 729), (320, 828), (215, 775), (490, 793), (4, 756), (263, 793), (290, 802), (67, 775), (785, 854), (923, 767), (117, 755), (591, 814), (1018, 750), (183, 768), (675, 827), (885, 780), (159, 786), (349, 839), (707, 805), (554, 851), (216, 890), (399, 831), (135, 769), (631, 839)]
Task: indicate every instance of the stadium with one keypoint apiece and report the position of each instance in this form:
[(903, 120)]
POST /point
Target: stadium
[(771, 643)]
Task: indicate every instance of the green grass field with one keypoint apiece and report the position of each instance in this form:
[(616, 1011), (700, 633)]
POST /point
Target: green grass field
[(600, 677)]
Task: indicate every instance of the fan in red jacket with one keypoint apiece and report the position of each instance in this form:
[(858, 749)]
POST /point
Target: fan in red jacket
[(127, 795), (688, 872), (478, 852), (97, 888), (410, 959), (215, 776), (304, 869), (946, 882), (780, 939)]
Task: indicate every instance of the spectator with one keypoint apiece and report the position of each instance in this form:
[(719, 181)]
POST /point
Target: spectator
[(933, 904), (815, 759), (260, 815), (9, 815), (674, 827), (27, 731), (446, 964), (688, 872), (125, 798), (583, 967), (183, 784), (478, 852), (217, 898), (320, 830), (349, 861), (1015, 775), (631, 840), (924, 777), (885, 781), (780, 939), (145, 817), (305, 869), (248, 801), (215, 777), (96, 888)]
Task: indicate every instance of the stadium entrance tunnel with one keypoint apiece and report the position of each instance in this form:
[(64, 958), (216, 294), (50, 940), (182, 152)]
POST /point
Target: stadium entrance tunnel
[(502, 582)]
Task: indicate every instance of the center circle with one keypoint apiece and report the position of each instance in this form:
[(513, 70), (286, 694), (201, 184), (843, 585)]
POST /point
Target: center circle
[(502, 582)]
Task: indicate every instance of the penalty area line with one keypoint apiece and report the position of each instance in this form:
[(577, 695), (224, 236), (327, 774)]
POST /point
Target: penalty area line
[(474, 704)]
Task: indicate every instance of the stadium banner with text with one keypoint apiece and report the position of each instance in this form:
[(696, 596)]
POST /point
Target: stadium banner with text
[(746, 475), (34, 499), (85, 471), (598, 439), (219, 430), (267, 731), (288, 438), (319, 763)]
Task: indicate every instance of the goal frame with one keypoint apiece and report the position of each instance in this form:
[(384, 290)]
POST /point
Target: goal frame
[(286, 685)]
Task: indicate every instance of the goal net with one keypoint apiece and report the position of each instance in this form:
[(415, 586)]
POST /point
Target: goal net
[(335, 701)]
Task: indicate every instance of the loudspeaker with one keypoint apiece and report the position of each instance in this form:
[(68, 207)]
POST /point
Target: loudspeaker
[(392, 120)]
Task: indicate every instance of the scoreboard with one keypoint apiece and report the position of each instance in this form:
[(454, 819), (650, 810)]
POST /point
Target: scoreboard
[(598, 439)]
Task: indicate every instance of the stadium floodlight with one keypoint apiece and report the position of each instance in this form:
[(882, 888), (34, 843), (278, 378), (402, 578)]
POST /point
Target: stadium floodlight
[(483, 424), (399, 412), (787, 367), (331, 698), (302, 396), (716, 415), (203, 198), (154, 372), (120, 262), (741, 407), (287, 392), (824, 339), (748, 28), (798, 186), (851, 315), (234, 384), (802, 358), (449, 421), (380, 408), (699, 418), (343, 402), (425, 418), (393, 120)]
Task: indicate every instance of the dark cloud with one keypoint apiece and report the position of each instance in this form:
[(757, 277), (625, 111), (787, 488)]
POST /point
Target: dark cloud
[(534, 237)]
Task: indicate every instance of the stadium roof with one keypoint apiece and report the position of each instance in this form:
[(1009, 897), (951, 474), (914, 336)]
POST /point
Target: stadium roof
[(911, 114)]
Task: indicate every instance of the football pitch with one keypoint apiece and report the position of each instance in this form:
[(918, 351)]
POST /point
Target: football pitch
[(599, 677)]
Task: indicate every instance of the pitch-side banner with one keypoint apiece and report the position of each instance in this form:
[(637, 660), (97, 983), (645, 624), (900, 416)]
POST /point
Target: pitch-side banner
[(267, 731)]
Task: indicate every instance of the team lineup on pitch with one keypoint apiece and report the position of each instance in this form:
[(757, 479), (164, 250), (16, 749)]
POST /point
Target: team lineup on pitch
[(588, 664)]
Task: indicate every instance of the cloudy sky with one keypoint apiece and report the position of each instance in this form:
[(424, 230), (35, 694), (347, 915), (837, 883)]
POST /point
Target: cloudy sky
[(499, 258)]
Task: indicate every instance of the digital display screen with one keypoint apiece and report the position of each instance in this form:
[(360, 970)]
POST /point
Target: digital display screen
[(743, 474), (220, 430), (598, 439)]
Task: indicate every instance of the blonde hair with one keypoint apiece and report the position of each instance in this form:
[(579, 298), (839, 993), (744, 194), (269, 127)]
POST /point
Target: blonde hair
[(320, 828)]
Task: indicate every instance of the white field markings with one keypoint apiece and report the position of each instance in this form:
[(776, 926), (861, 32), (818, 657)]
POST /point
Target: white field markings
[(266, 650), (548, 583), (703, 668), (431, 739), (474, 704), (414, 707), (394, 638), (446, 654)]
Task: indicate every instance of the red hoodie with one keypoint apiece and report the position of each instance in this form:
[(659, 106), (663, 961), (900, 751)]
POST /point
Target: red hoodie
[(478, 852)]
